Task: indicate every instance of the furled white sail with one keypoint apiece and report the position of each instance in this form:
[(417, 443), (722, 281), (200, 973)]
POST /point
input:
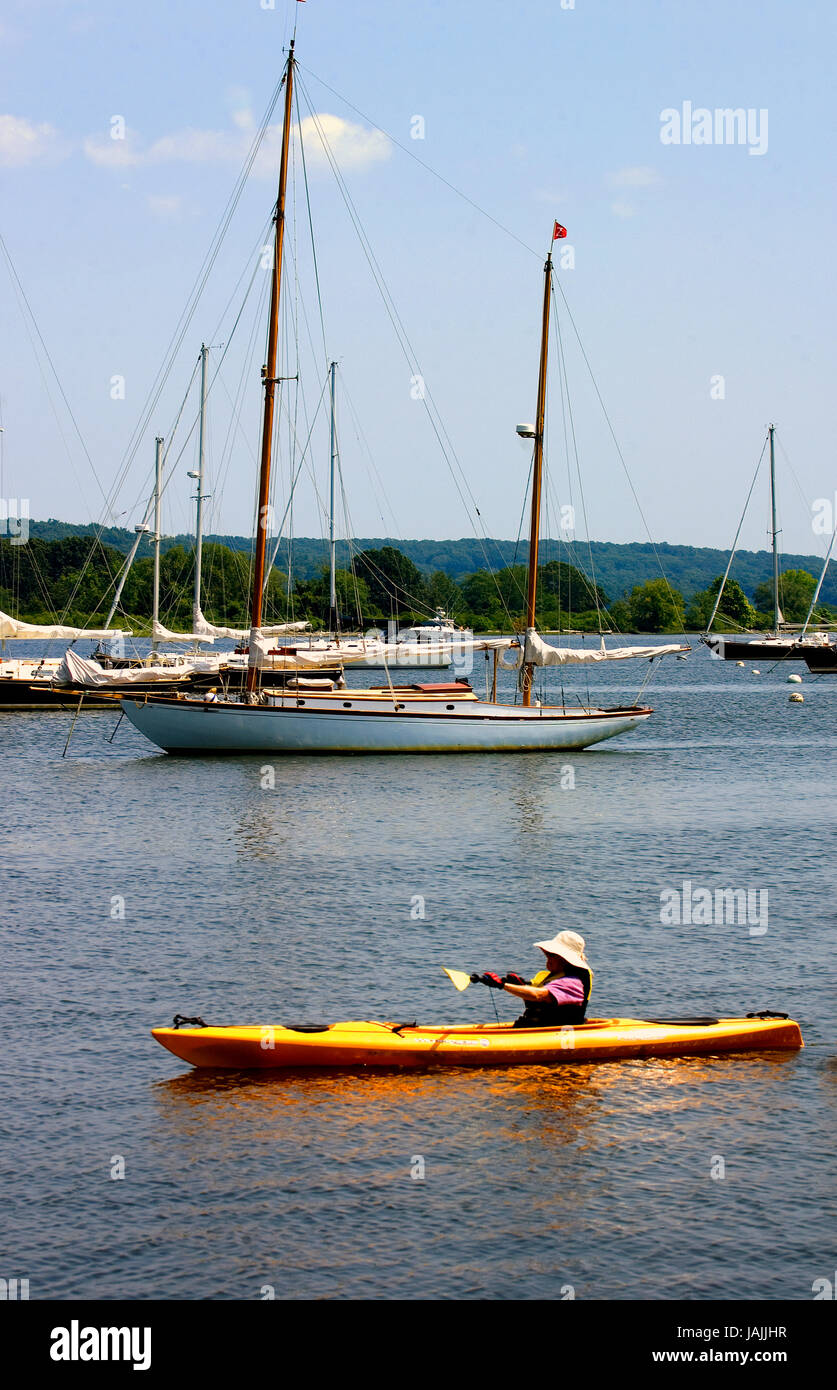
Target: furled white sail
[(334, 653), (540, 653), (205, 629), (456, 642), (14, 629), (264, 655), (80, 672), (163, 634)]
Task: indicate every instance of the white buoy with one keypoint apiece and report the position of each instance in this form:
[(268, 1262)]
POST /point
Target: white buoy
[(794, 680), (739, 663), (795, 698), (757, 673)]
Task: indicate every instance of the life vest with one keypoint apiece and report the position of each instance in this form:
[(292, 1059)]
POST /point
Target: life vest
[(548, 1013)]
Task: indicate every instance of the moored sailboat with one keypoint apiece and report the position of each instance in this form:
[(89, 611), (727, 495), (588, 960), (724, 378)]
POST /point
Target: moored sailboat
[(785, 641), (388, 718)]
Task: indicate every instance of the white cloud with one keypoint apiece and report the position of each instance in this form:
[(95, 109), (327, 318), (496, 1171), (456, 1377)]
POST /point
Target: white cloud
[(113, 154), (353, 146), (639, 176), (623, 210), (168, 207), (22, 141)]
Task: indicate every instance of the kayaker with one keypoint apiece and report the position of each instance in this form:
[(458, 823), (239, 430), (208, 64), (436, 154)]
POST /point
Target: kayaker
[(559, 998)]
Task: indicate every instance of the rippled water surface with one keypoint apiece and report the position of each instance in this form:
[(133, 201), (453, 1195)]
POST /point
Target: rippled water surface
[(339, 892)]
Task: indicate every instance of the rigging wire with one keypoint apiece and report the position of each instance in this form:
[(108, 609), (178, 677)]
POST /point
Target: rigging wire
[(372, 467), (507, 231), (616, 443), (116, 578), (193, 299), (594, 588), (311, 225), (734, 546), (21, 295), (792, 471), (405, 148), (295, 478), (436, 422)]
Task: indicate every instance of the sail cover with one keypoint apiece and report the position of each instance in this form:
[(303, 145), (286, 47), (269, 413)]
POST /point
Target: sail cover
[(205, 629), (14, 629), (540, 653), (164, 634), (333, 654), (77, 671), (264, 656)]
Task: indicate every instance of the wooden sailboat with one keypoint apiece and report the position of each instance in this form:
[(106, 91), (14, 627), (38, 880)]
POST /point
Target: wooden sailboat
[(416, 718)]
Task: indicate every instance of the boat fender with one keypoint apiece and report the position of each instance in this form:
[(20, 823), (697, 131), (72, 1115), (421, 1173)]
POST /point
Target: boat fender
[(180, 1021)]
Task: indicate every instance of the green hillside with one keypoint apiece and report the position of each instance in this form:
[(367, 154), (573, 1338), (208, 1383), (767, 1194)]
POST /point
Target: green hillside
[(618, 568)]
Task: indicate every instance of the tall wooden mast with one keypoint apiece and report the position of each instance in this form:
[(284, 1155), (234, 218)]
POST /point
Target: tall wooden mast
[(269, 379), (537, 478)]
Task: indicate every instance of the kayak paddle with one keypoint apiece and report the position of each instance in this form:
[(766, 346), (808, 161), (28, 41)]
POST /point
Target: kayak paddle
[(459, 978), (462, 980)]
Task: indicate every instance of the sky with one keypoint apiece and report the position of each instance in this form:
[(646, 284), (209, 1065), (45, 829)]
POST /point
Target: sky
[(700, 278)]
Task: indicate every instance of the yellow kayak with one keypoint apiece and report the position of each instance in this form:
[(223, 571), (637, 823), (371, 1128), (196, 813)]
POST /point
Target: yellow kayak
[(368, 1044)]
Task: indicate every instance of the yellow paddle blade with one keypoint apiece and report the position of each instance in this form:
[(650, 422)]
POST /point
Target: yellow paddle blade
[(458, 978)]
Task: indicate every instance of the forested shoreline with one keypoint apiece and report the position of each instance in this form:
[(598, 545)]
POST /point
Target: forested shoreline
[(73, 579)]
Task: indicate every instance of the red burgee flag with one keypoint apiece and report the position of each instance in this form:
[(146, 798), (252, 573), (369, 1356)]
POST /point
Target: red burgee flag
[(558, 231)]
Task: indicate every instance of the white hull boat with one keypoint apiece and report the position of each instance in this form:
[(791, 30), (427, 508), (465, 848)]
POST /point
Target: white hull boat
[(418, 718), (371, 722)]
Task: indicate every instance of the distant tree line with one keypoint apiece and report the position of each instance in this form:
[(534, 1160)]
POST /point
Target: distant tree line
[(73, 579), (617, 567)]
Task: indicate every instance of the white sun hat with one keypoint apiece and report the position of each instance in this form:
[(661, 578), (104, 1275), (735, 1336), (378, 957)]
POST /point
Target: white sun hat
[(568, 945)]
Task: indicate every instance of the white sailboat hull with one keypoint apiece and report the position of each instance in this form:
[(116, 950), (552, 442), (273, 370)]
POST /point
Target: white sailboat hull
[(195, 726)]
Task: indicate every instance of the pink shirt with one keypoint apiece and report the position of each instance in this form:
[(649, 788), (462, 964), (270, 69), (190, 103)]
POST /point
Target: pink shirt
[(567, 990)]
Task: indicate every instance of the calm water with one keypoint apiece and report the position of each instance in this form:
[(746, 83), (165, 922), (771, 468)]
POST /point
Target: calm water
[(249, 904)]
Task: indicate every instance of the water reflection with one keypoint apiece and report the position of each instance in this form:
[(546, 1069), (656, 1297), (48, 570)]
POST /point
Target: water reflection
[(259, 833), (563, 1103)]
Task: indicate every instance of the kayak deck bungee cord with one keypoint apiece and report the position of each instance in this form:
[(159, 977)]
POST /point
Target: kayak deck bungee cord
[(364, 1043)]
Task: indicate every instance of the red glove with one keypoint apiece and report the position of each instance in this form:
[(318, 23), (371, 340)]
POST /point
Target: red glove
[(492, 979), (512, 979)]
